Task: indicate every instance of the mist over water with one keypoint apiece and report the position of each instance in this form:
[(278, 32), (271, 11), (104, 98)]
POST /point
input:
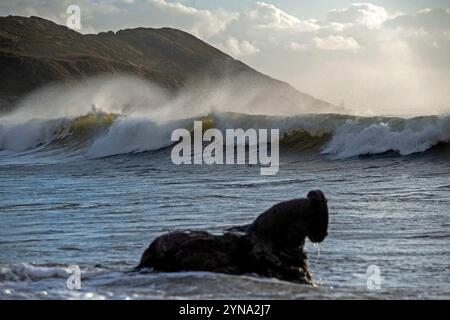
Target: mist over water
[(390, 84), (130, 95)]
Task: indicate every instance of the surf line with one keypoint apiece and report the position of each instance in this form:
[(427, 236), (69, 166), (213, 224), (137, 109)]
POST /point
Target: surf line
[(235, 143)]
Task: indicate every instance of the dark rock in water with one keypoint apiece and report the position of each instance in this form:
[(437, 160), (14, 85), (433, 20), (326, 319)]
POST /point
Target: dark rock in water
[(272, 246)]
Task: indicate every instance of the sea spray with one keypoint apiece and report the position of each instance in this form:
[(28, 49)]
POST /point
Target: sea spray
[(141, 117), (377, 136)]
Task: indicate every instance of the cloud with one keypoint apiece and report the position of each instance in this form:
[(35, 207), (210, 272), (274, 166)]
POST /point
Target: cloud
[(329, 43), (360, 13), (336, 43), (202, 23), (238, 48), (437, 19), (267, 16)]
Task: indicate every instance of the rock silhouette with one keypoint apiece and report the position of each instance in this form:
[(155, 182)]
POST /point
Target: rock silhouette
[(271, 246)]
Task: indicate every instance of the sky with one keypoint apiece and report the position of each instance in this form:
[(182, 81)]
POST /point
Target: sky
[(382, 55)]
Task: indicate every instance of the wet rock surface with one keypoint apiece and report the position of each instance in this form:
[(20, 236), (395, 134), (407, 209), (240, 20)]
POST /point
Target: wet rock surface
[(272, 246)]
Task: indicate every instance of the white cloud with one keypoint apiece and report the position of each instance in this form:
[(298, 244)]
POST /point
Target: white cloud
[(427, 19), (295, 46), (329, 43), (202, 23), (333, 42), (267, 16), (360, 13), (238, 48)]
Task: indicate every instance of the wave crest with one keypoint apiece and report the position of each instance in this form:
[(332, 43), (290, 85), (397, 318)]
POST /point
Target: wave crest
[(100, 134), (403, 136)]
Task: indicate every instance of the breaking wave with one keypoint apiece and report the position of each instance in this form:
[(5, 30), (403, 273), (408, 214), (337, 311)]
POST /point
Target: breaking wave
[(378, 136), (99, 134)]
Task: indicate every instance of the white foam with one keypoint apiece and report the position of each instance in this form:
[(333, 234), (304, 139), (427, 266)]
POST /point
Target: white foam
[(30, 272), (130, 134), (407, 136)]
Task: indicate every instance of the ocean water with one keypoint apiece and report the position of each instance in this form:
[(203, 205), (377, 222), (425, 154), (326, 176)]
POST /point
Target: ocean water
[(94, 191)]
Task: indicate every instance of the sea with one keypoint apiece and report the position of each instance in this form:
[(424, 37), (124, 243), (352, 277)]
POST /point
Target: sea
[(90, 192)]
